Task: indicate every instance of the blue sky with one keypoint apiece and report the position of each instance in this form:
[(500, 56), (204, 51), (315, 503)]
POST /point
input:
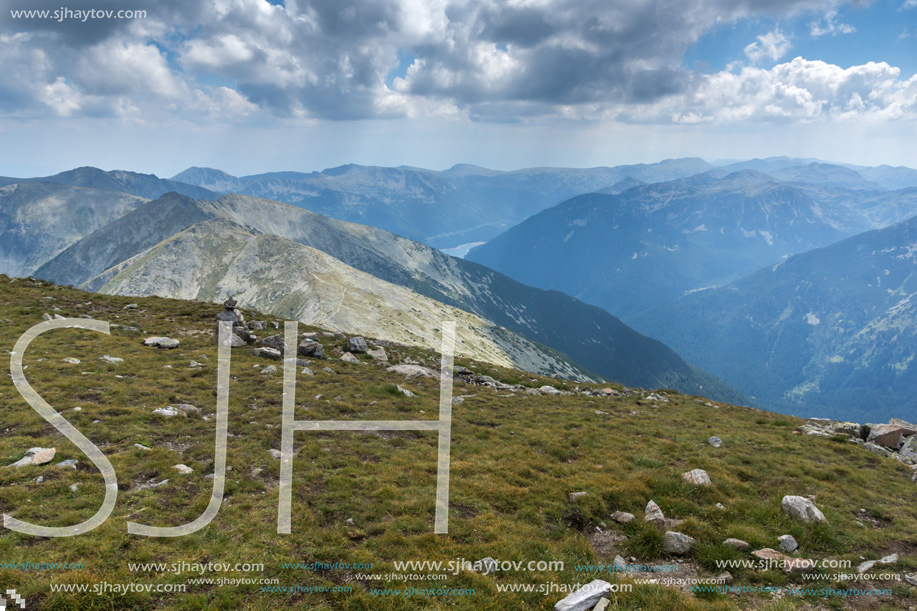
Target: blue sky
[(251, 86)]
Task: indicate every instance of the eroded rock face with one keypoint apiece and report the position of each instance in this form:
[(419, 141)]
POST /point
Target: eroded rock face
[(803, 509)]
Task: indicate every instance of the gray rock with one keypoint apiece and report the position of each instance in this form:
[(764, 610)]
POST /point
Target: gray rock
[(909, 449), (677, 543), (328, 370), (548, 390), (44, 456), (357, 344), (111, 359), (412, 371), (184, 469), (161, 342), (865, 566), (788, 543), (46, 316), (256, 325), (576, 495), (407, 393), (724, 578), (848, 428), (890, 559), (801, 508), (268, 353), (889, 435), (378, 354), (715, 441), (274, 341), (736, 543), (168, 412), (72, 361), (487, 565), (620, 564), (819, 421), (584, 598), (698, 477), (311, 348), (140, 446), (275, 454), (347, 357), (74, 487), (653, 514), (71, 462), (307, 371), (622, 517), (602, 604), (911, 579), (39, 479), (269, 369)]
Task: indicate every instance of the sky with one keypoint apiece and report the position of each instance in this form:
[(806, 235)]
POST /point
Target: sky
[(250, 86)]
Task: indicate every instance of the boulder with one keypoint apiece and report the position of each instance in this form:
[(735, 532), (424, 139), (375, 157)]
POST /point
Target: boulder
[(275, 454), (269, 369), (486, 565), (350, 358), (677, 543), (161, 342), (602, 604), (548, 390), (889, 435), (168, 412), (865, 566), (576, 495), (412, 371), (378, 354), (274, 341), (357, 344), (622, 517), (43, 456), (111, 359), (890, 559), (69, 463), (404, 391), (653, 514), (256, 325), (803, 509), (715, 441), (307, 371), (848, 428), (185, 469), (268, 353), (911, 579), (584, 598), (311, 348), (909, 449), (71, 361), (724, 578), (698, 477), (788, 543)]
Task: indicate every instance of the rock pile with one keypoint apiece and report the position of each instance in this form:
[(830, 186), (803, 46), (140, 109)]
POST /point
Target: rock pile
[(895, 439)]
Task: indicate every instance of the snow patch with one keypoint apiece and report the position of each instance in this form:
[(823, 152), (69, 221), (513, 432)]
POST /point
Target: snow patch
[(812, 319), (569, 235), (767, 237), (577, 222)]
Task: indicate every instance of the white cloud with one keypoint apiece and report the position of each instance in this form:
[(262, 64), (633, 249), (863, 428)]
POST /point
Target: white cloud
[(828, 25), (773, 45)]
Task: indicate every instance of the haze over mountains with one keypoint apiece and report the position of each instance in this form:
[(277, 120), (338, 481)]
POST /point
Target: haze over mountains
[(757, 271)]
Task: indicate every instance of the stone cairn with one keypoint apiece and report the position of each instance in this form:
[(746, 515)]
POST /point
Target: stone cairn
[(240, 333)]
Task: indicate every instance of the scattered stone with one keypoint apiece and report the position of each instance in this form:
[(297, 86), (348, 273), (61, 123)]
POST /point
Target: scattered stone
[(350, 358), (720, 506), (140, 446), (378, 354), (412, 371), (890, 559), (70, 462), (187, 408), (803, 509), (256, 325), (848, 428), (161, 342), (911, 579), (653, 514), (168, 412), (307, 371), (488, 565), (724, 578), (195, 364), (46, 316), (584, 598), (275, 454), (39, 479), (74, 487), (788, 543), (269, 369), (43, 456), (865, 566), (909, 449), (576, 495), (677, 543), (622, 517), (736, 543), (548, 390), (184, 469), (357, 344), (311, 348), (328, 370), (715, 441), (131, 306), (407, 393), (111, 359), (268, 353), (819, 421), (72, 361), (698, 477), (274, 341)]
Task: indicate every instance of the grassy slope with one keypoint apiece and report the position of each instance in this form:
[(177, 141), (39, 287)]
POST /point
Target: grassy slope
[(515, 459)]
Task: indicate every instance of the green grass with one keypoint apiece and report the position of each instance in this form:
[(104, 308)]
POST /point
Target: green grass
[(364, 497)]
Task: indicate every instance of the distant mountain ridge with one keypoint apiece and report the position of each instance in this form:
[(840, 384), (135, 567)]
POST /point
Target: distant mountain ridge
[(463, 204), (587, 335), (148, 186)]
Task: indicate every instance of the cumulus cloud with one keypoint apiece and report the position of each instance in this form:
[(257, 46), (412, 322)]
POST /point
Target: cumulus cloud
[(351, 59), (829, 25), (772, 45)]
